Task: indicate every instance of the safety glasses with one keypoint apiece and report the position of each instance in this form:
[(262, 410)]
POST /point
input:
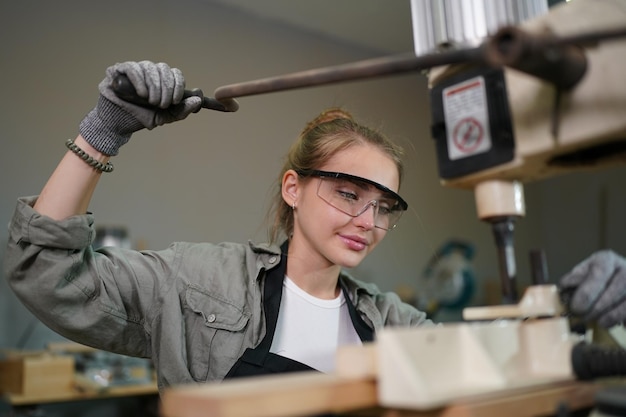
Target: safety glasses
[(354, 195)]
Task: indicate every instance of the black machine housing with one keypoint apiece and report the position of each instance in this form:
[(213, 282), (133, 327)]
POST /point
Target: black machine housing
[(498, 126)]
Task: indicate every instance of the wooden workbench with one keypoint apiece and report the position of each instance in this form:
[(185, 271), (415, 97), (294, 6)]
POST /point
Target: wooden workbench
[(306, 394), (17, 400)]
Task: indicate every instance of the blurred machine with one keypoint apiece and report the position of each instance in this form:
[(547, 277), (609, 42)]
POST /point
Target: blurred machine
[(545, 98), (448, 282), (537, 106)]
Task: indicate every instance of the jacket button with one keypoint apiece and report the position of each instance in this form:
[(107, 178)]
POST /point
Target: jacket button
[(273, 259), (210, 318)]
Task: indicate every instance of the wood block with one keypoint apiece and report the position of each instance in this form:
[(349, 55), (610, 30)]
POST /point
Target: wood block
[(38, 374), (357, 361)]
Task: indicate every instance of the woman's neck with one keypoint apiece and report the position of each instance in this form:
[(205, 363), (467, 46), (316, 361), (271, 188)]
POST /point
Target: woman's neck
[(313, 275)]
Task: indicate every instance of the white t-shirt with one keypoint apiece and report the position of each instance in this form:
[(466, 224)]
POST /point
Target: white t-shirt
[(309, 329)]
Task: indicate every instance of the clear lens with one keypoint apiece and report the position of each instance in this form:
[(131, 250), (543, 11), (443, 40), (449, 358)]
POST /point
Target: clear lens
[(354, 197)]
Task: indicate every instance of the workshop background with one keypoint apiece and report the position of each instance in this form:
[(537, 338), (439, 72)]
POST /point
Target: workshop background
[(210, 177)]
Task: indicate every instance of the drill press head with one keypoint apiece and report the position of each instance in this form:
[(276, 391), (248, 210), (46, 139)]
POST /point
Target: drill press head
[(536, 107), (543, 115)]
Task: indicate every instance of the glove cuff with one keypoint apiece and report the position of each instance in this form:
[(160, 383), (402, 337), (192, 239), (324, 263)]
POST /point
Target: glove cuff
[(107, 127)]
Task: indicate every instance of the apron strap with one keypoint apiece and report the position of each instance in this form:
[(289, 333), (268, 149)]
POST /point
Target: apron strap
[(364, 331), (272, 295)]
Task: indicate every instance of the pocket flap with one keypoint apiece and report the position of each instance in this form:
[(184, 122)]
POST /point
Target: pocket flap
[(216, 312)]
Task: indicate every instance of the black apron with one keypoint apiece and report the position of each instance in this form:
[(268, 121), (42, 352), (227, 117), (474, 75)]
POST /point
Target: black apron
[(260, 361)]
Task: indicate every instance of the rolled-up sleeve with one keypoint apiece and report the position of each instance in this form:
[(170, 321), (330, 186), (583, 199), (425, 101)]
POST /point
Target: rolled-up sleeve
[(28, 226)]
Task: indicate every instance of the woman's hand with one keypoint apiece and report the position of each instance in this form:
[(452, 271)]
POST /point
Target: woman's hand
[(596, 289)]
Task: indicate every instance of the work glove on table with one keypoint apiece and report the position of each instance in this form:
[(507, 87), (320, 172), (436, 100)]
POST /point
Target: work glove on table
[(595, 290), (111, 123)]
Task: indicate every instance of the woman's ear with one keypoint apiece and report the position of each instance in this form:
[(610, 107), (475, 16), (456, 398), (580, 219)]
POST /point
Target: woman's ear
[(290, 187)]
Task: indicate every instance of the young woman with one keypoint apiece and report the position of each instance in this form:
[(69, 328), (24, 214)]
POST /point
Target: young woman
[(205, 312)]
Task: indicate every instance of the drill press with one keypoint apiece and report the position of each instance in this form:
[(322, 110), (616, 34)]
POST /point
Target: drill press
[(536, 107)]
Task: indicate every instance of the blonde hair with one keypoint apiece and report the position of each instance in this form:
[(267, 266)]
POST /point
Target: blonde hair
[(330, 132)]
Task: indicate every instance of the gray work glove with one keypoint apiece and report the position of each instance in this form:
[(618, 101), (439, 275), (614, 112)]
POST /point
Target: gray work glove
[(596, 289), (111, 123)]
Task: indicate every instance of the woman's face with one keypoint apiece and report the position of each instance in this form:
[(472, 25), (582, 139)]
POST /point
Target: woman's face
[(327, 235)]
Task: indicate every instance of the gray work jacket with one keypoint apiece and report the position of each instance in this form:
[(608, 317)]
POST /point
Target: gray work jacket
[(192, 308)]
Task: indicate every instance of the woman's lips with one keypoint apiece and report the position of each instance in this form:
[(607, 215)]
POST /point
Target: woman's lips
[(354, 242)]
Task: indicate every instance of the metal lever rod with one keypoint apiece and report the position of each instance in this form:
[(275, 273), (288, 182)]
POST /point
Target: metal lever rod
[(510, 47), (376, 67)]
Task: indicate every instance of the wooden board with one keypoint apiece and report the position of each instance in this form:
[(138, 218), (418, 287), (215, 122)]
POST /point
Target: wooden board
[(539, 401), (309, 394), (296, 394)]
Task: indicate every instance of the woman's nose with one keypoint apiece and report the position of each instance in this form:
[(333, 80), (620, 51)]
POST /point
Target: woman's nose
[(367, 217)]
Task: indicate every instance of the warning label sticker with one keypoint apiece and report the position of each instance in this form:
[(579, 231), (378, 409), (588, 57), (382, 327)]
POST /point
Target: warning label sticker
[(467, 118)]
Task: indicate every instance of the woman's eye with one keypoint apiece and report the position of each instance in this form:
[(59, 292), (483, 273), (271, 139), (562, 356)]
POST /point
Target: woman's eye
[(348, 195), (386, 207)]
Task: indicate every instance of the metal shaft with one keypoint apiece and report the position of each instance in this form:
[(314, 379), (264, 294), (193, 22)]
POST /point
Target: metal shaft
[(503, 228), (538, 267), (523, 51), (377, 67)]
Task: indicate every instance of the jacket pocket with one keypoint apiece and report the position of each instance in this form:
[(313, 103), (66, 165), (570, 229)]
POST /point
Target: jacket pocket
[(215, 332)]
